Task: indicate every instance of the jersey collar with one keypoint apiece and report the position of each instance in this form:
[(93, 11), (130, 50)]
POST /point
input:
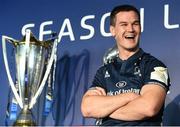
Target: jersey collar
[(135, 56)]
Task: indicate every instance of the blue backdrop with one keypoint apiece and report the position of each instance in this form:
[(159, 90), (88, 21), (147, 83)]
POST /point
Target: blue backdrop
[(83, 30)]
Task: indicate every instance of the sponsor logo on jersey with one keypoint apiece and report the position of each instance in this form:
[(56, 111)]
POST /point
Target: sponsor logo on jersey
[(120, 91), (121, 84), (160, 74)]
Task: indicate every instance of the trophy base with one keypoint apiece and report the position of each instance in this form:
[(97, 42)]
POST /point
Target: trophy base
[(24, 123), (25, 119)]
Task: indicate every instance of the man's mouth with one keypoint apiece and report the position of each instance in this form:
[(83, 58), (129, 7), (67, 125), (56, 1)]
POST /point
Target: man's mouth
[(130, 36)]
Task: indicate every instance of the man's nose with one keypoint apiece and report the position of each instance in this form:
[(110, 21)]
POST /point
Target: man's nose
[(130, 28)]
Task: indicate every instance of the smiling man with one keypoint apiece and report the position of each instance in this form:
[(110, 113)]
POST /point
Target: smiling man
[(130, 90)]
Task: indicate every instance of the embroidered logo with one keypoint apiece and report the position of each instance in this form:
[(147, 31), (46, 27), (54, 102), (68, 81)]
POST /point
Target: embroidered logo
[(121, 84), (106, 74), (137, 71)]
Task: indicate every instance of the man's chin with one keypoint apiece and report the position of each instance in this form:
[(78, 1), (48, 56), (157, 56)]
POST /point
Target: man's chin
[(132, 49)]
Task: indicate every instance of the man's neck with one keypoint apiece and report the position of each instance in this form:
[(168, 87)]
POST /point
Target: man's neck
[(125, 54)]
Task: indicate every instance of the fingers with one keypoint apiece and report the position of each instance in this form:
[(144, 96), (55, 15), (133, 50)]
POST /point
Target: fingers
[(132, 95), (96, 91), (101, 90)]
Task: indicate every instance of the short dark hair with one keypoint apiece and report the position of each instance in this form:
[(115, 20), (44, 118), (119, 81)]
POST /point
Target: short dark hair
[(122, 8)]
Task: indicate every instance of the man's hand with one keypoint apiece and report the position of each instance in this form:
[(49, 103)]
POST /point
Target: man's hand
[(96, 91)]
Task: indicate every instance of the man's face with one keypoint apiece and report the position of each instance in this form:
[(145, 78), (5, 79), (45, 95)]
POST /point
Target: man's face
[(127, 30)]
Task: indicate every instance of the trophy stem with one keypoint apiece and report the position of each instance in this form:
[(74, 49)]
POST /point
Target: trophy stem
[(25, 118)]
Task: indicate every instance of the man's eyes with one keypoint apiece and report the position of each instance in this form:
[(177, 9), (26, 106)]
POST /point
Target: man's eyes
[(137, 23), (123, 24)]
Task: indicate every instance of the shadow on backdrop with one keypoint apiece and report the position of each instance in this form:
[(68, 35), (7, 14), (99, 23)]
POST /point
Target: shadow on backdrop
[(71, 82), (172, 112)]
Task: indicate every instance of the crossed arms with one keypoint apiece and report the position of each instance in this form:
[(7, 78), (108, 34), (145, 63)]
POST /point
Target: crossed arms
[(126, 106)]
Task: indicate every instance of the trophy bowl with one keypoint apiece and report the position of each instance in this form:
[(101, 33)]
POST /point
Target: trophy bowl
[(33, 60)]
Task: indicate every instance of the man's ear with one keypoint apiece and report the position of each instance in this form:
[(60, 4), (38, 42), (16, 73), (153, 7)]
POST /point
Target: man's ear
[(112, 30)]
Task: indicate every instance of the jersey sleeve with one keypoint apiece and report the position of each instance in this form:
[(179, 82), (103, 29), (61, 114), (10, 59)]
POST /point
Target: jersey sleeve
[(157, 73), (99, 79)]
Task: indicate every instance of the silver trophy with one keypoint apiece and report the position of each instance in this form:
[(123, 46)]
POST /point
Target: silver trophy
[(34, 60)]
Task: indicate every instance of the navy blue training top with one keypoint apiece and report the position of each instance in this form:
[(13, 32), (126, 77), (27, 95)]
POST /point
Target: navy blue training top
[(130, 75)]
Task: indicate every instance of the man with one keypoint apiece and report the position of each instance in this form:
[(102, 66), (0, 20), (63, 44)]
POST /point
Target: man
[(131, 90)]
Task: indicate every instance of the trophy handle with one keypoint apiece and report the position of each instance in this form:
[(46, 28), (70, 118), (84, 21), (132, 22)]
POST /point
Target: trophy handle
[(53, 53), (4, 38)]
